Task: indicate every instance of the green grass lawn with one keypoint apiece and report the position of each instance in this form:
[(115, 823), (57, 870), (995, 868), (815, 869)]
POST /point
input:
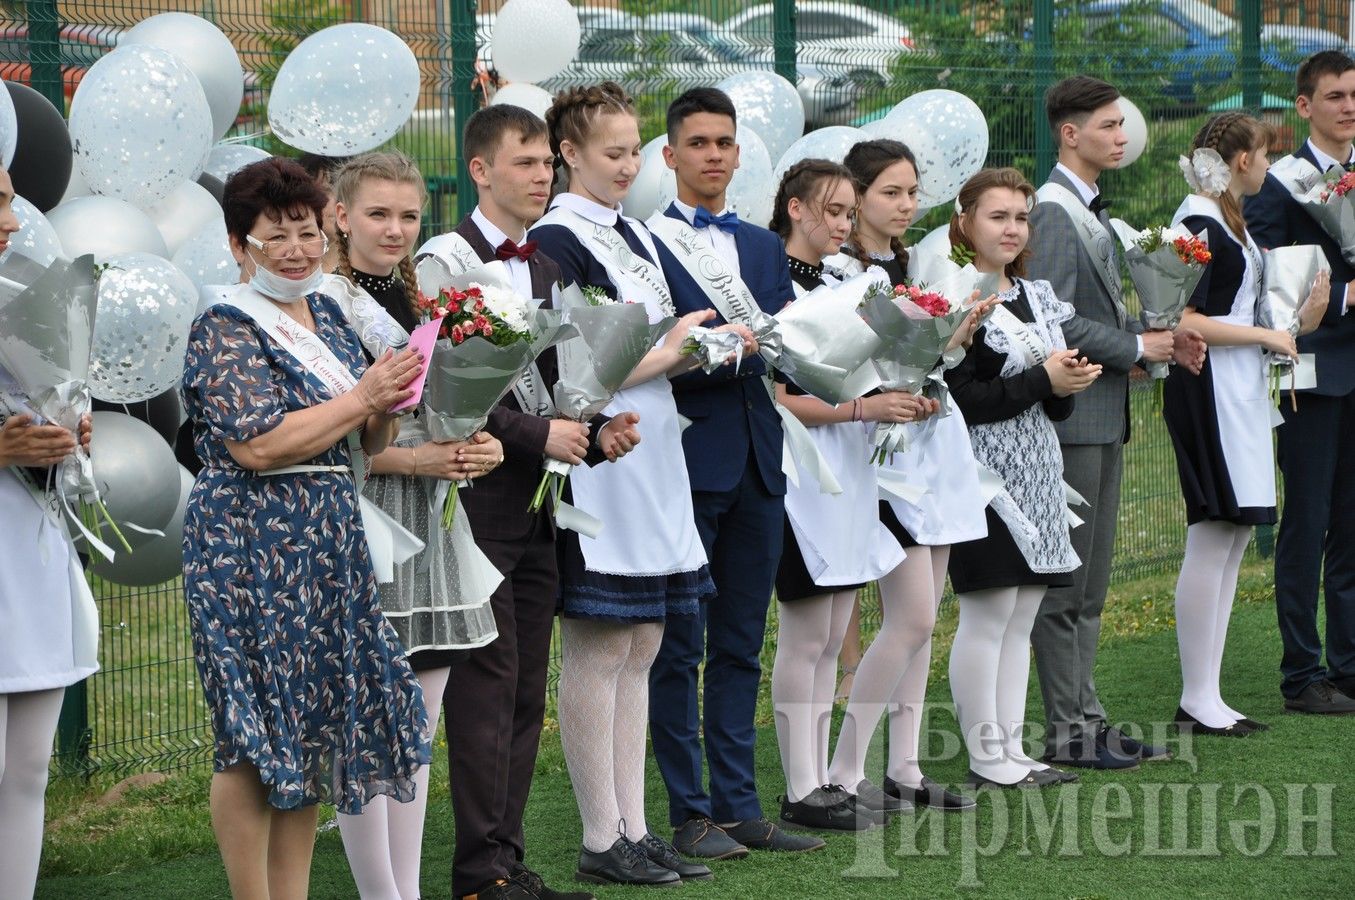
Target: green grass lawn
[(1265, 815)]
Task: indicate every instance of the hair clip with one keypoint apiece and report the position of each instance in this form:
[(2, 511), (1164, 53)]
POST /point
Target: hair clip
[(1206, 172), (959, 210)]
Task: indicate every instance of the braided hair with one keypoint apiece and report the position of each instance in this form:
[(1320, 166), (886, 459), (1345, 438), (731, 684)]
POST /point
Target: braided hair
[(1229, 134), (390, 166), (866, 160), (808, 179), (571, 116)]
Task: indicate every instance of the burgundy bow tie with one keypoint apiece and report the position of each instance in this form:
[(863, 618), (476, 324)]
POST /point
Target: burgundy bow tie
[(507, 250)]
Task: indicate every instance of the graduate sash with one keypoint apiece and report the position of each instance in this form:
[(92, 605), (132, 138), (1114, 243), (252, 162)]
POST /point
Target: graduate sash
[(1094, 237)]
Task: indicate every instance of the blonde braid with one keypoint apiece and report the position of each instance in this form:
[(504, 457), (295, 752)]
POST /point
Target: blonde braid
[(345, 266), (411, 284)]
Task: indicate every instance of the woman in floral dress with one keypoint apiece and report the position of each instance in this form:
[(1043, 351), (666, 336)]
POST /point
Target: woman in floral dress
[(310, 697)]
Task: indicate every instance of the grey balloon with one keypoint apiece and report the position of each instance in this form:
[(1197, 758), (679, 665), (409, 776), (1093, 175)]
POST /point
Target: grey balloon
[(158, 561), (204, 49), (133, 468), (104, 226)]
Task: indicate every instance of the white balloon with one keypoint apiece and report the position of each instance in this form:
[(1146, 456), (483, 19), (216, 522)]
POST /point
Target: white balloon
[(9, 128), (205, 50), (753, 190), (652, 184), (183, 214), (206, 257), (104, 226), (528, 96), (344, 90), (769, 105), (146, 306), (1135, 129), (948, 134), (830, 143), (36, 238), (225, 159), (534, 39), (935, 243), (76, 187), (140, 124)]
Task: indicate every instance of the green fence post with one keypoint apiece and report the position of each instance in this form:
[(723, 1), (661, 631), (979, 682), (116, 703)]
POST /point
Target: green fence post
[(1251, 53), (783, 38), (1044, 79), (44, 50), (73, 734), (463, 95)]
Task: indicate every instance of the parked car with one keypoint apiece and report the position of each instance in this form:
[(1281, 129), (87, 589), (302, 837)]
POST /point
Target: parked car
[(78, 46), (862, 42), (1204, 42)]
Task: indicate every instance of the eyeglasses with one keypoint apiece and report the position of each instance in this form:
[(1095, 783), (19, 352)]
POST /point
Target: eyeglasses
[(313, 248)]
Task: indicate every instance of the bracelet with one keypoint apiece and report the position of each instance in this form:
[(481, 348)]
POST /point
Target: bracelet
[(414, 455)]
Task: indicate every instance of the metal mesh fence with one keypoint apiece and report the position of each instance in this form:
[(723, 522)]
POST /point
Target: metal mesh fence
[(1176, 59)]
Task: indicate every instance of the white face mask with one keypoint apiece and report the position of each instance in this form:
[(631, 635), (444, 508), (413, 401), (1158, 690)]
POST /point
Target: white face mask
[(284, 290)]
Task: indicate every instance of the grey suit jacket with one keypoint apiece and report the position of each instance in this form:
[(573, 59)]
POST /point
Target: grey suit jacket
[(1098, 331)]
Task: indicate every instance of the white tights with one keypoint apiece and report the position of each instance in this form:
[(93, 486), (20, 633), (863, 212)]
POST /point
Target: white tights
[(27, 726), (604, 712), (384, 843), (892, 676), (989, 673), (1204, 601), (804, 677)]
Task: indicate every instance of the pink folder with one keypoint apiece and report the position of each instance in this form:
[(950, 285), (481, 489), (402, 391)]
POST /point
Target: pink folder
[(422, 339)]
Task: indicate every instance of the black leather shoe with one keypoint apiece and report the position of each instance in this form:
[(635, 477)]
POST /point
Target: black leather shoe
[(1253, 724), (1125, 745), (930, 795), (623, 863), (759, 834), (1087, 752), (1344, 684), (501, 890), (1042, 778), (526, 878), (1064, 776), (1185, 722), (702, 838), (828, 809), (1321, 698), (870, 797), (662, 852)]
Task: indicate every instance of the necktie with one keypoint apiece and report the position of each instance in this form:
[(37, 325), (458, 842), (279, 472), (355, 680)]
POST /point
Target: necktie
[(1099, 203), (728, 223), (507, 250)]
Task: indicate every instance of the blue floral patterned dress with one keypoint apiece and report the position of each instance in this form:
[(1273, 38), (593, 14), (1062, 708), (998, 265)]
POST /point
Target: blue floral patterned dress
[(304, 677)]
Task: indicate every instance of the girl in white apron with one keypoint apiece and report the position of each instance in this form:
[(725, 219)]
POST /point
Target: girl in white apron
[(1015, 382), (834, 543), (647, 563), (1220, 421), (891, 677), (438, 599)]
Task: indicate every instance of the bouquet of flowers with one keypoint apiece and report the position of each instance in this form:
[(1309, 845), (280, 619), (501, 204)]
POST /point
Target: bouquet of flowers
[(822, 345), (1286, 282), (490, 336), (1165, 265), (915, 325), (46, 330), (1328, 198), (613, 337)]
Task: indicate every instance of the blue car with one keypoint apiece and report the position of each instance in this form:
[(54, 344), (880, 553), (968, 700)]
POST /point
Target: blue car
[(1205, 42)]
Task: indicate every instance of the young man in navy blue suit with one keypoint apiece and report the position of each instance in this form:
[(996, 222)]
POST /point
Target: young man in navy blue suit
[(733, 451), (1317, 440)]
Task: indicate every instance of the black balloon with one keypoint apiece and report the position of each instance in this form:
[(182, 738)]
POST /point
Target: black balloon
[(42, 163), (214, 186), (162, 412)]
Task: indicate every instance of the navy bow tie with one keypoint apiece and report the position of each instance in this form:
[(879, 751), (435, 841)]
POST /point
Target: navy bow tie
[(728, 223), (1099, 202)]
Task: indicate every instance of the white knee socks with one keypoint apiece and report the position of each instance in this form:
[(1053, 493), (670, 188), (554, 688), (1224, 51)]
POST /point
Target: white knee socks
[(804, 676), (27, 726), (384, 844), (1204, 602), (989, 665), (604, 711), (908, 605)]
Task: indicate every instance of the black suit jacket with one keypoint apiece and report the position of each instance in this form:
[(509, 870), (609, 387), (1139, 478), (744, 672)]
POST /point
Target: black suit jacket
[(1275, 219), (497, 503)]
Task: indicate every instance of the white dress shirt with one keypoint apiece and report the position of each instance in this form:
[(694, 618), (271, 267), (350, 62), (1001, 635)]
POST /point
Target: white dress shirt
[(518, 269)]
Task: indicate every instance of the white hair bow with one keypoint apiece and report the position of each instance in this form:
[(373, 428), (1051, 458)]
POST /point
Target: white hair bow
[(1206, 172)]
